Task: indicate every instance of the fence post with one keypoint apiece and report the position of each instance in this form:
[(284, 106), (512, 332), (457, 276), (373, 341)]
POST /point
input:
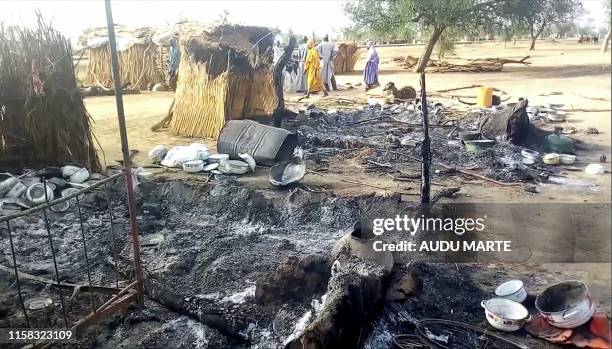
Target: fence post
[(127, 162)]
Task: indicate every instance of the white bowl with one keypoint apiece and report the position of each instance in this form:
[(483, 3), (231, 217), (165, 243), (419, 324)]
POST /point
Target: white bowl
[(530, 154), (551, 159), (505, 315), (594, 169), (513, 290), (36, 193), (211, 167), (219, 158), (567, 159), (69, 170), (193, 166)]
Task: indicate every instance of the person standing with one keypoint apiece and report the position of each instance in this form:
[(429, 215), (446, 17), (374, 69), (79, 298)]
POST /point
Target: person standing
[(370, 73), (174, 60), (312, 69), (277, 50), (300, 85), (327, 51)]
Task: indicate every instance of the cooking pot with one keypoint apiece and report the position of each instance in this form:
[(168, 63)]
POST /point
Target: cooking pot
[(567, 304), (504, 314), (513, 290)]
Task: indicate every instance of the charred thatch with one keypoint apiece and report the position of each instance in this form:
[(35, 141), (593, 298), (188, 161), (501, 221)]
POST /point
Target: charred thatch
[(43, 120), (224, 74)]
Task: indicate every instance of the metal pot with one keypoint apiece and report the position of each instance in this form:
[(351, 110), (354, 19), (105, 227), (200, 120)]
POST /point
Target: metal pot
[(360, 243), (504, 314), (567, 304), (476, 146), (513, 290)]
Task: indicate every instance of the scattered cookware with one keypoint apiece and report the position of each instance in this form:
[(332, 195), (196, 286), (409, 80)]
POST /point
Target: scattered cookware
[(237, 167), (530, 154), (478, 145), (69, 170), (527, 161), (249, 160), (80, 176), (7, 185), (210, 167), (551, 159), (513, 290), (504, 314), (469, 135), (567, 159), (17, 190), (595, 169), (567, 304), (359, 242), (61, 207), (38, 303), (36, 193), (193, 166)]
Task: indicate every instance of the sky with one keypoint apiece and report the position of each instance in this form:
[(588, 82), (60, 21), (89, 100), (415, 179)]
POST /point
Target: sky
[(71, 17)]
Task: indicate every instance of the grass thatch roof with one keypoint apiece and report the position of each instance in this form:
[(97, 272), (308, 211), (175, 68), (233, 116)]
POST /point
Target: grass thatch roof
[(225, 73), (43, 120)]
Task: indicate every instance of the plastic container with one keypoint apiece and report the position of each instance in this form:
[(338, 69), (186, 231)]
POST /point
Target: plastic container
[(484, 97)]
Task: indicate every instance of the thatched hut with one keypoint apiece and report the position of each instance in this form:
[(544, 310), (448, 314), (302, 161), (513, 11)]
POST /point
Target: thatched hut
[(43, 120), (141, 52), (225, 73)]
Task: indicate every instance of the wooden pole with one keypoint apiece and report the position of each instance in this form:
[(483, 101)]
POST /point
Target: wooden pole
[(127, 162), (425, 146), (277, 77)]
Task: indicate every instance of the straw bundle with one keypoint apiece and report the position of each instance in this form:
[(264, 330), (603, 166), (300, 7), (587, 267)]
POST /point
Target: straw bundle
[(347, 58), (139, 66), (43, 120)]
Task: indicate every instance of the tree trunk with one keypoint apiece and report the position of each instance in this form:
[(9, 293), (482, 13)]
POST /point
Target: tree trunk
[(534, 38), (425, 146), (422, 63), (604, 45), (277, 77)]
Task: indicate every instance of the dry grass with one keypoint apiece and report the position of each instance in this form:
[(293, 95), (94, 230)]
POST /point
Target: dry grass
[(140, 65), (43, 120)]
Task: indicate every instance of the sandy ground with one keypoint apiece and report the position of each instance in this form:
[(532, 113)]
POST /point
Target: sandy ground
[(579, 72)]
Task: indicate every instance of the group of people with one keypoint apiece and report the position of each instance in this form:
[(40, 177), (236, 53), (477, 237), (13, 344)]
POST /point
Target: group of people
[(315, 67)]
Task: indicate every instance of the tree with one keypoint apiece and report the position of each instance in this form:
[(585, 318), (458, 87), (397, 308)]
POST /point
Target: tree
[(607, 5), (433, 16), (537, 15)]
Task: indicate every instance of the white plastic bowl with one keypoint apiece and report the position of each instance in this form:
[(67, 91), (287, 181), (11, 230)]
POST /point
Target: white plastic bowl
[(193, 166), (595, 169), (567, 159), (36, 193), (551, 159)]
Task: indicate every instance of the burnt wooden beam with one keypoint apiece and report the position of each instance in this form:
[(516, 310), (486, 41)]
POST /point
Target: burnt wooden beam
[(425, 146), (277, 77)]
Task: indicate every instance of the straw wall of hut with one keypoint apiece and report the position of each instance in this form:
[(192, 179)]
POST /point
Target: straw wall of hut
[(219, 82), (139, 65), (43, 120)]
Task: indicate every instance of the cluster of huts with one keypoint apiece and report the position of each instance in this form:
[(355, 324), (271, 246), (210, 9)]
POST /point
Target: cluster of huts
[(225, 73)]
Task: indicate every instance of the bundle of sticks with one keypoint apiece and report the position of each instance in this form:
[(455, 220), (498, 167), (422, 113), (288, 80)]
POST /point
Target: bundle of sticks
[(471, 66)]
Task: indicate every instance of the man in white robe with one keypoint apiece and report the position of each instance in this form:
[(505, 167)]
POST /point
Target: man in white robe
[(328, 51), (277, 50), (300, 84)]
